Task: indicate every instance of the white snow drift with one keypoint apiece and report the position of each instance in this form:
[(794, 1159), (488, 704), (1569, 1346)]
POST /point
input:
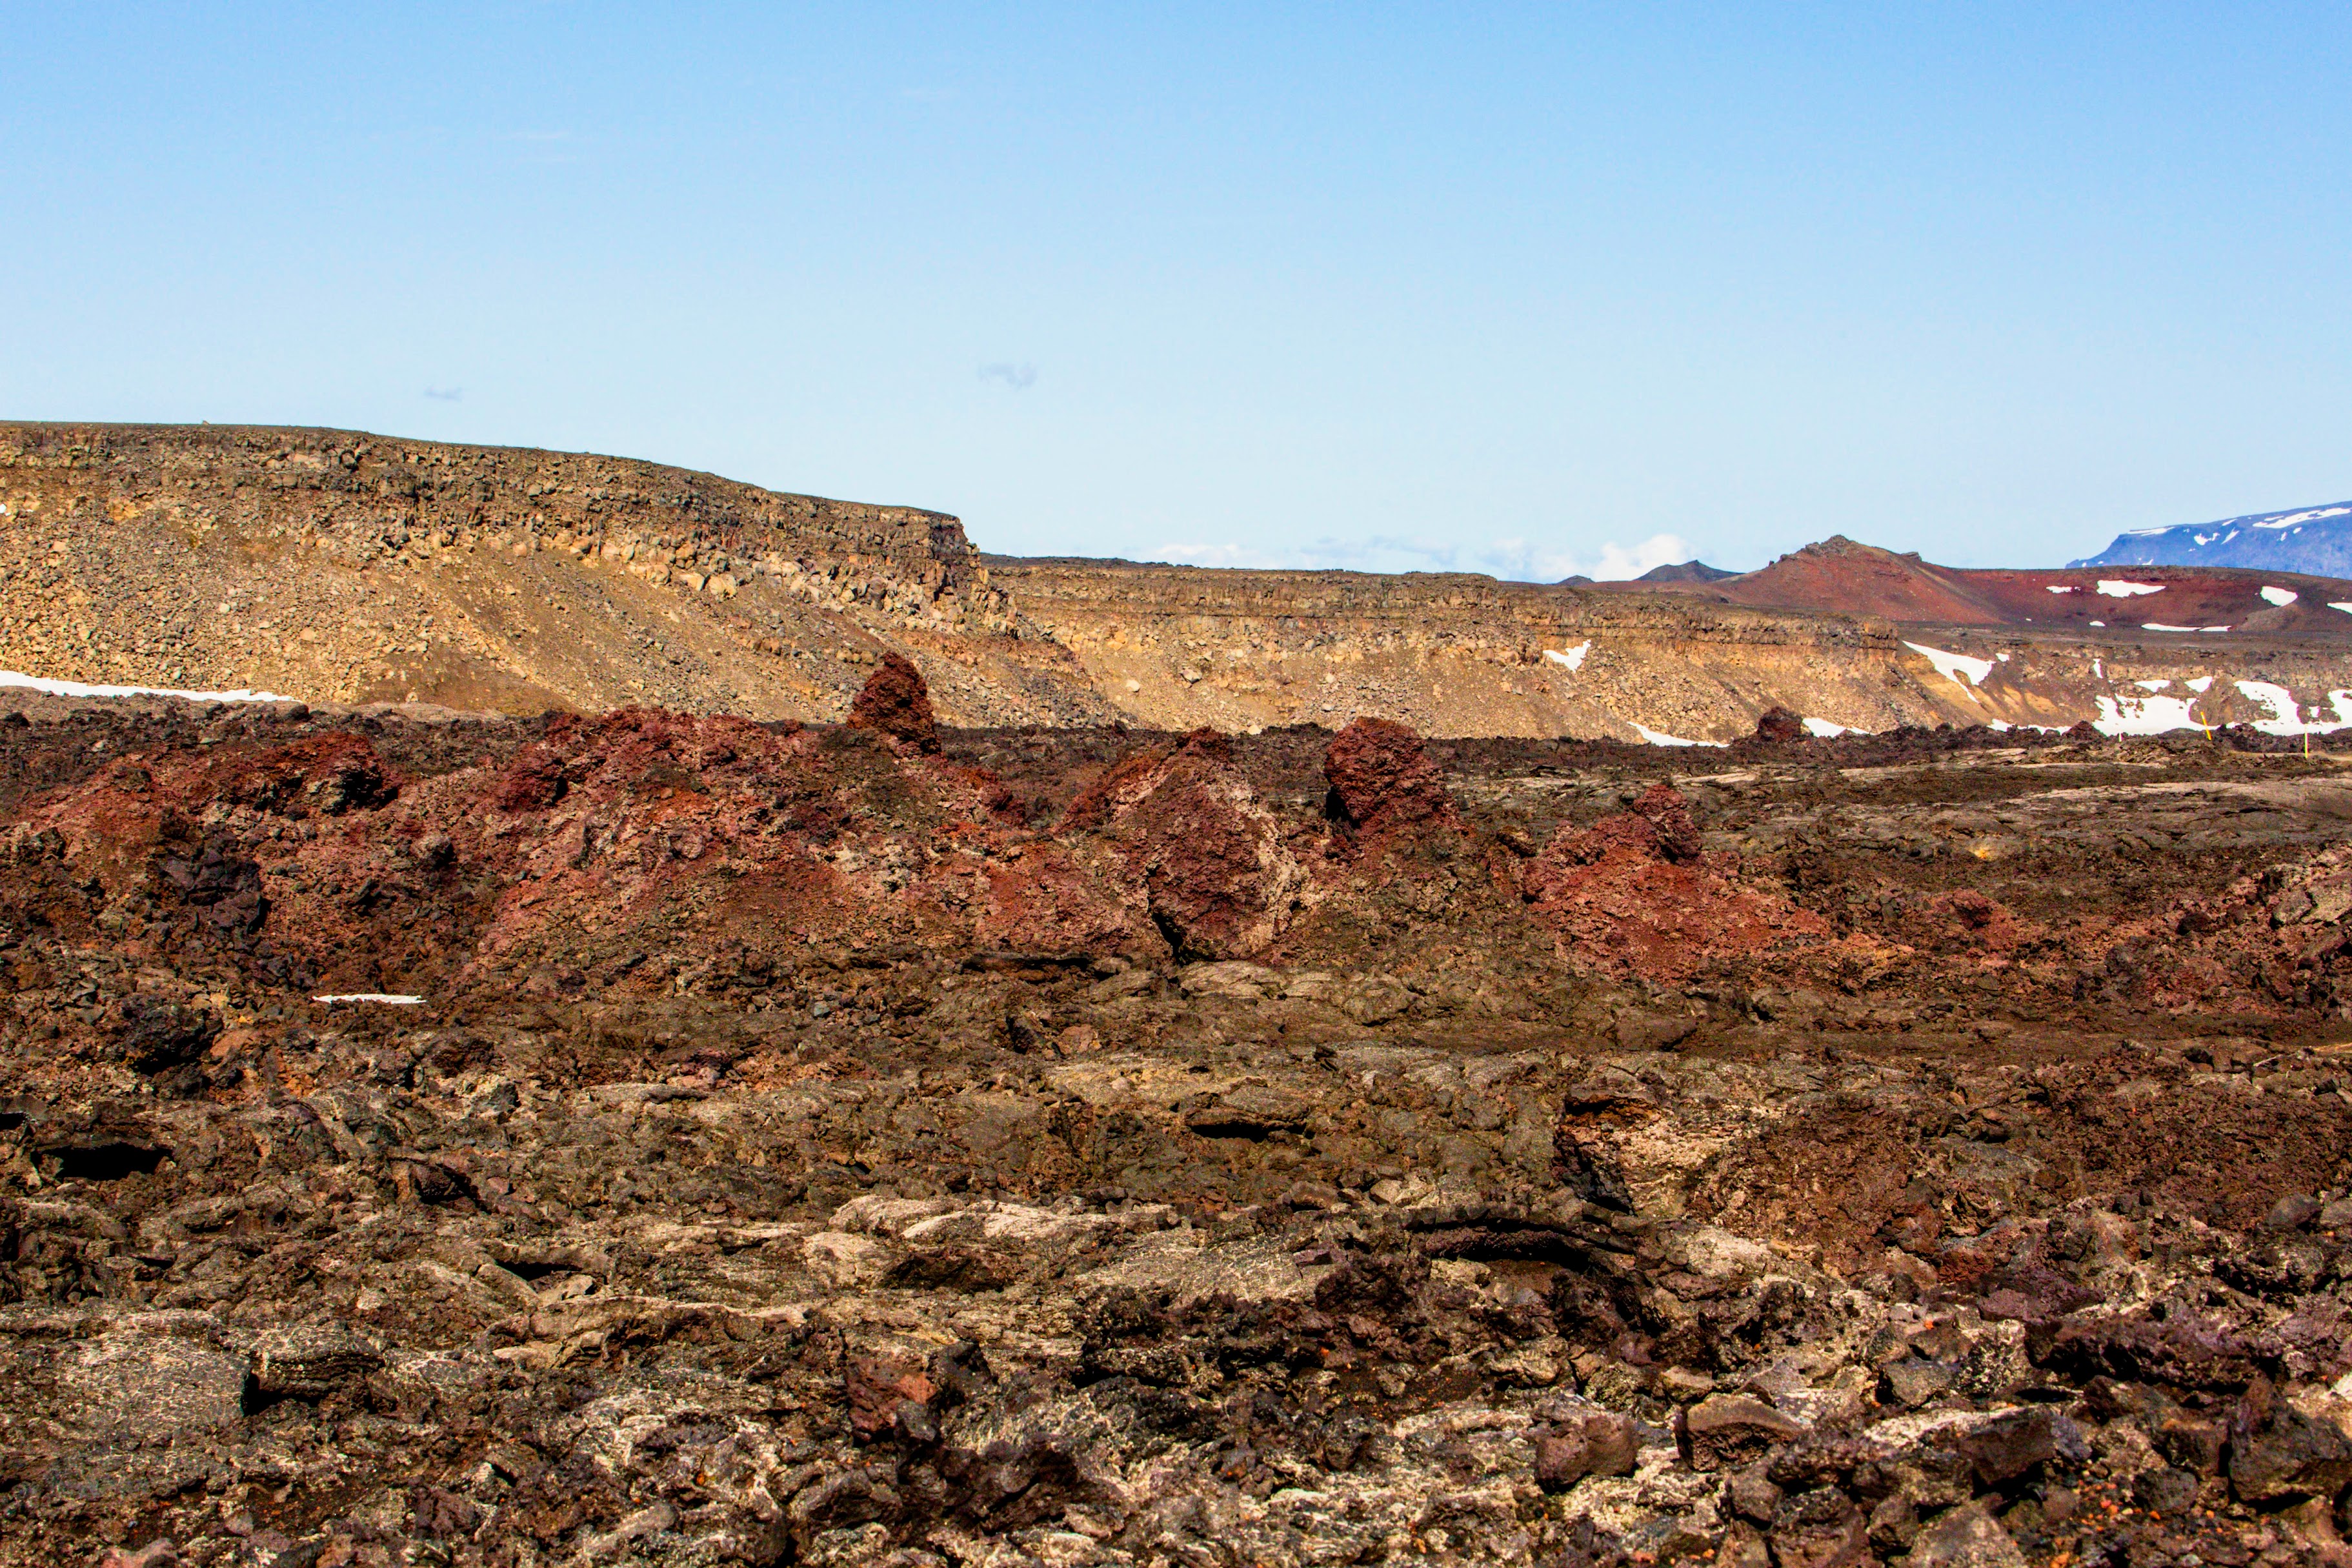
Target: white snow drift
[(1571, 658), (1660, 737), (2286, 716), (76, 689), (1952, 665)]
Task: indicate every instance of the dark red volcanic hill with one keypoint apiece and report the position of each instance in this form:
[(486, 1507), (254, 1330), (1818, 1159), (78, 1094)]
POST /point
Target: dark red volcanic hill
[(1841, 577)]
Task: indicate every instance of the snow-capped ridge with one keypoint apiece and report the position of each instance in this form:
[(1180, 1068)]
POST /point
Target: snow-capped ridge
[(2317, 540)]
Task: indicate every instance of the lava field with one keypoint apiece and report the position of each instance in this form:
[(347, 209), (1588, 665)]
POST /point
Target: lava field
[(653, 1138)]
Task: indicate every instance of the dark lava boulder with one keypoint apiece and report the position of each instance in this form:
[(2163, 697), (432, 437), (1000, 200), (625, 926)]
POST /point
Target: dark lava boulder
[(156, 1035), (1382, 781), (896, 701)]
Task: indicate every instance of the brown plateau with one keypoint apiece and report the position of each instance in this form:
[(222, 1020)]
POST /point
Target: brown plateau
[(340, 568)]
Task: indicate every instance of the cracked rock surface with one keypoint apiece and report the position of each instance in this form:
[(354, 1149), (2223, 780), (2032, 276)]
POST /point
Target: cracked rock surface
[(1102, 1147)]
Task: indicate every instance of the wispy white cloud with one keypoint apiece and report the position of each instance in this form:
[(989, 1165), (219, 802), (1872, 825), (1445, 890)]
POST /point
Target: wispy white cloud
[(1241, 555), (1514, 560), (1619, 561), (1019, 377)]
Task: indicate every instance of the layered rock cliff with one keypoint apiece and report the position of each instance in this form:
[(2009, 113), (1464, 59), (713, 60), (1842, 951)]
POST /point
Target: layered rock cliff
[(342, 568)]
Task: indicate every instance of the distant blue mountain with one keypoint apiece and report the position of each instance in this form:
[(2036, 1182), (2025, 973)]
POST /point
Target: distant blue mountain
[(2317, 540)]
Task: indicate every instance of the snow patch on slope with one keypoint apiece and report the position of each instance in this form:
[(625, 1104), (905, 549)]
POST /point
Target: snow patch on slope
[(2144, 715), (1660, 737), (1572, 658), (76, 689), (1952, 665), (2291, 519), (2286, 717), (2153, 715), (2124, 588)]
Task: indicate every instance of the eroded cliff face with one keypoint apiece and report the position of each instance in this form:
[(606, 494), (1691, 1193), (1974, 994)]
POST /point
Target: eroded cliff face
[(363, 497), (336, 567), (1448, 654), (1464, 655), (341, 567)]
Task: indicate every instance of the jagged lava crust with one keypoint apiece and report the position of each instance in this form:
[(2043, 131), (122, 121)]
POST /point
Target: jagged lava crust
[(894, 1143)]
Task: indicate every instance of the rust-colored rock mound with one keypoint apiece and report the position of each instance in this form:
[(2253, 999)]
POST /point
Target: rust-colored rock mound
[(1658, 825), (1778, 724), (1201, 851), (1636, 892), (896, 701), (1382, 781)]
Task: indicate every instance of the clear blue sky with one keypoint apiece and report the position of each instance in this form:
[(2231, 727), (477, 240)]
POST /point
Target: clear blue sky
[(1505, 288)]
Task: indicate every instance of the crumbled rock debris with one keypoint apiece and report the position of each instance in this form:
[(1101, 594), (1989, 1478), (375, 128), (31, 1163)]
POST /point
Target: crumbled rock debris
[(1102, 1147)]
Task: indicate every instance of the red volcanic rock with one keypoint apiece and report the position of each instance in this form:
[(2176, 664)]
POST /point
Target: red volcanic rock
[(627, 847), (1636, 892), (1382, 783), (1779, 724), (1123, 788), (1040, 898), (1201, 851), (896, 703), (1659, 825), (1669, 814), (320, 776), (1619, 830), (532, 782)]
